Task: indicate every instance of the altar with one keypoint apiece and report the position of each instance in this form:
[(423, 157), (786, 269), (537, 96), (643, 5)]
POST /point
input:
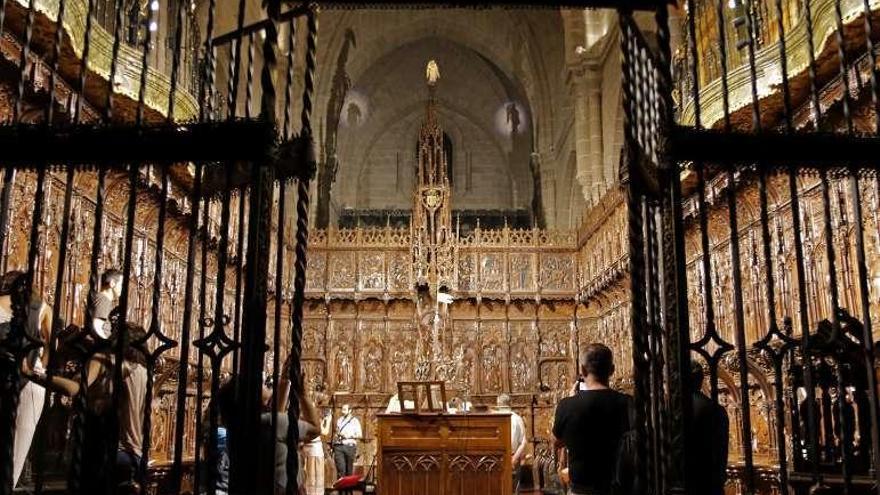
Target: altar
[(444, 454)]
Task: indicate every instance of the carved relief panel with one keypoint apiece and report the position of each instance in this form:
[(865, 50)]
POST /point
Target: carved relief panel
[(371, 265), (343, 334), (464, 347), (342, 276), (523, 356), (493, 357), (492, 272), (371, 338), (467, 272), (402, 337), (398, 271), (555, 338), (313, 339), (522, 272), (557, 272)]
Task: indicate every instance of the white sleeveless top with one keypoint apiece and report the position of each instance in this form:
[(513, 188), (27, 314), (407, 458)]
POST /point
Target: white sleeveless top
[(32, 328)]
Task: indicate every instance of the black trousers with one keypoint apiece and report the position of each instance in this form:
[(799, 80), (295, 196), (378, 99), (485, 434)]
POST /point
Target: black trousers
[(343, 457)]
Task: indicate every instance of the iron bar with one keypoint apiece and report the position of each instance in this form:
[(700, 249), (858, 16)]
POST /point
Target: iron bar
[(200, 359), (302, 238), (868, 334), (239, 270), (642, 396), (155, 329)]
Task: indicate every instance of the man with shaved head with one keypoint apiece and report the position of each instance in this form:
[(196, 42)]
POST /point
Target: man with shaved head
[(590, 424)]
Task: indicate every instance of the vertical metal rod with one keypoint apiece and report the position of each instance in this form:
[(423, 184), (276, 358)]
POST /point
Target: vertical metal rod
[(63, 241), (868, 336), (239, 270), (56, 55), (278, 304), (302, 238), (218, 332), (175, 61), (739, 332), (656, 444), (642, 394), (753, 71), (796, 227), (5, 200), (739, 323), (83, 66), (40, 436), (78, 432), (114, 61), (23, 62), (249, 83), (830, 254), (246, 431), (234, 63), (205, 90), (722, 49), (155, 323), (676, 305), (812, 416), (288, 93), (231, 81), (142, 89), (206, 85), (120, 329), (200, 362)]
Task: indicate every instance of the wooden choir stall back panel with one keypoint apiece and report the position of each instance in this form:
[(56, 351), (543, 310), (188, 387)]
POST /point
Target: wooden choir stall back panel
[(440, 454)]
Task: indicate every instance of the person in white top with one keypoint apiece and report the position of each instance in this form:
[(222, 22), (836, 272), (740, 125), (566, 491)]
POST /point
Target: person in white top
[(348, 432), (517, 435), (314, 456), (31, 396), (105, 300)]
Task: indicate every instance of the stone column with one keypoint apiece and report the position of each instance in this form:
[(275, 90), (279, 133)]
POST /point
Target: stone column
[(586, 90), (594, 114)]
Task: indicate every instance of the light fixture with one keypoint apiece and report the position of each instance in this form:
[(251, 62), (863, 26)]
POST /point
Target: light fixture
[(154, 26), (154, 5), (732, 4)]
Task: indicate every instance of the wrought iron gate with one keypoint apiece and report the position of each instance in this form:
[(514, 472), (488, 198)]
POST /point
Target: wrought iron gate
[(749, 298), (186, 189)]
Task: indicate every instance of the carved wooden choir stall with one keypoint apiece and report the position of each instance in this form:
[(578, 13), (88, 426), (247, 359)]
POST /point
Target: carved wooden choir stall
[(444, 454)]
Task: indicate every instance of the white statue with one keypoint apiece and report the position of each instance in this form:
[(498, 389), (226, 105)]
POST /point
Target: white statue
[(432, 72)]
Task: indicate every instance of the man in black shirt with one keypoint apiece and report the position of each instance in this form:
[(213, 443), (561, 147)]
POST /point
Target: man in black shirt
[(590, 424), (707, 442)]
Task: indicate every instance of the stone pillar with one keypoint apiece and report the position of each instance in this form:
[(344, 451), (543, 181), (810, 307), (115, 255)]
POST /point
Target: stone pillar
[(586, 90), (594, 114)]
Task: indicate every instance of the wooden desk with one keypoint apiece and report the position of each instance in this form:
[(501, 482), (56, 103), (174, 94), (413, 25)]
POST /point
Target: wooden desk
[(434, 454)]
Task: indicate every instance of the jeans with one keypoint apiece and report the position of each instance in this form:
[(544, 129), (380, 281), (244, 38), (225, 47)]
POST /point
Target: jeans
[(343, 457), (127, 467)]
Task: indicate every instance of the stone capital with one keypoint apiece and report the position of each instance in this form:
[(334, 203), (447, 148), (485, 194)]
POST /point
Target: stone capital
[(582, 75)]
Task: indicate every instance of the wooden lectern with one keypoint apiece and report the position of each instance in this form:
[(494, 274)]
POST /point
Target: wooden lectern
[(444, 454)]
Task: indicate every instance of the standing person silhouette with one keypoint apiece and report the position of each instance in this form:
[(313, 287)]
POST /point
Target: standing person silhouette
[(708, 440), (591, 423)]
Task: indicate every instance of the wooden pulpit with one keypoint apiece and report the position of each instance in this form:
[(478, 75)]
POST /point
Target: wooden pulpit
[(444, 454)]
